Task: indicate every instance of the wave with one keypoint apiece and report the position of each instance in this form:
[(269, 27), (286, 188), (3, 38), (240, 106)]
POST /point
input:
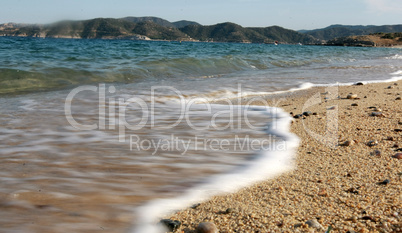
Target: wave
[(392, 79), (221, 95), (394, 57), (77, 72), (267, 164), (397, 72), (15, 81)]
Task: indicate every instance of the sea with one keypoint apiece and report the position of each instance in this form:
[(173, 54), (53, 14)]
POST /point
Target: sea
[(113, 135)]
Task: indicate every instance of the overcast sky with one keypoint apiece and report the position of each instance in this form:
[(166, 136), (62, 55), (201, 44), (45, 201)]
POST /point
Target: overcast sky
[(292, 14)]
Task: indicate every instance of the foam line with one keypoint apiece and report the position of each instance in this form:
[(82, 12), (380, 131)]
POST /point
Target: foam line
[(267, 164)]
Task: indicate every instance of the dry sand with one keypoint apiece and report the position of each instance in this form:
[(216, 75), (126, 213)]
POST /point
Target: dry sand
[(339, 186)]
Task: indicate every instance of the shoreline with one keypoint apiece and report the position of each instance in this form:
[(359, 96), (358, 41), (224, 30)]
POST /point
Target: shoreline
[(340, 187), (138, 38)]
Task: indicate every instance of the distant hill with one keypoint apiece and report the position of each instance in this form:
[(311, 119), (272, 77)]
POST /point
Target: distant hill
[(230, 32), (183, 23), (223, 32), (156, 29), (160, 21), (99, 28), (158, 32), (335, 31), (156, 20), (276, 33)]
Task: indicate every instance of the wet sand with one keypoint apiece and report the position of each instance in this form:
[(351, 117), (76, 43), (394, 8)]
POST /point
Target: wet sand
[(350, 186)]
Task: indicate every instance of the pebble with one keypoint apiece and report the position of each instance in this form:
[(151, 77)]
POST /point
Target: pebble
[(398, 156), (352, 190), (229, 210), (298, 116), (376, 153), (308, 113), (352, 96), (348, 143), (353, 219), (171, 225), (368, 218), (297, 225), (207, 227), (384, 182), (354, 104), (389, 138), (390, 87), (372, 143), (313, 223), (359, 84), (323, 192), (195, 206), (377, 114), (398, 98)]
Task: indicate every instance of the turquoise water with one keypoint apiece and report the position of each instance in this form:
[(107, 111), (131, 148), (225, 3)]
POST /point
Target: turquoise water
[(31, 65), (94, 131)]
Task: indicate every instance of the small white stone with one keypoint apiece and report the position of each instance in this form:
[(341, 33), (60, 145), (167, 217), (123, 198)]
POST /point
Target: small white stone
[(314, 224)]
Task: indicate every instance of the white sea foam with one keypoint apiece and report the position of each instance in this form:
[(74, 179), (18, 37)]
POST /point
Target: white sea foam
[(392, 79), (28, 104), (397, 72), (230, 94), (267, 164), (395, 57)]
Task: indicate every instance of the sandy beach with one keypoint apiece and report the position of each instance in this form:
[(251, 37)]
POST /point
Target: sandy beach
[(353, 185)]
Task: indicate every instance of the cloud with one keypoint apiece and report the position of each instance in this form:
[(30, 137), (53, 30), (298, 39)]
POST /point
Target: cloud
[(385, 6)]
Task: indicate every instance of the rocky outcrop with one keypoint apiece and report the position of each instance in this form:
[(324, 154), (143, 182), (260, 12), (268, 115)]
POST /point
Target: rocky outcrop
[(347, 41), (372, 40)]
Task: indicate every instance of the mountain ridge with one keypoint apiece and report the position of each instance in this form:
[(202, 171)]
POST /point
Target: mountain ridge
[(154, 28)]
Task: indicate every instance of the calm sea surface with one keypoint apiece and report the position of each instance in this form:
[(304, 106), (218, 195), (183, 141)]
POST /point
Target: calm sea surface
[(93, 131)]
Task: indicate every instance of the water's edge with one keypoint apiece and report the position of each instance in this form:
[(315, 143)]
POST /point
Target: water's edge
[(266, 165)]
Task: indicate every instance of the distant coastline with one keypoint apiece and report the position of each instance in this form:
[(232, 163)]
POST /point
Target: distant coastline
[(157, 29)]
